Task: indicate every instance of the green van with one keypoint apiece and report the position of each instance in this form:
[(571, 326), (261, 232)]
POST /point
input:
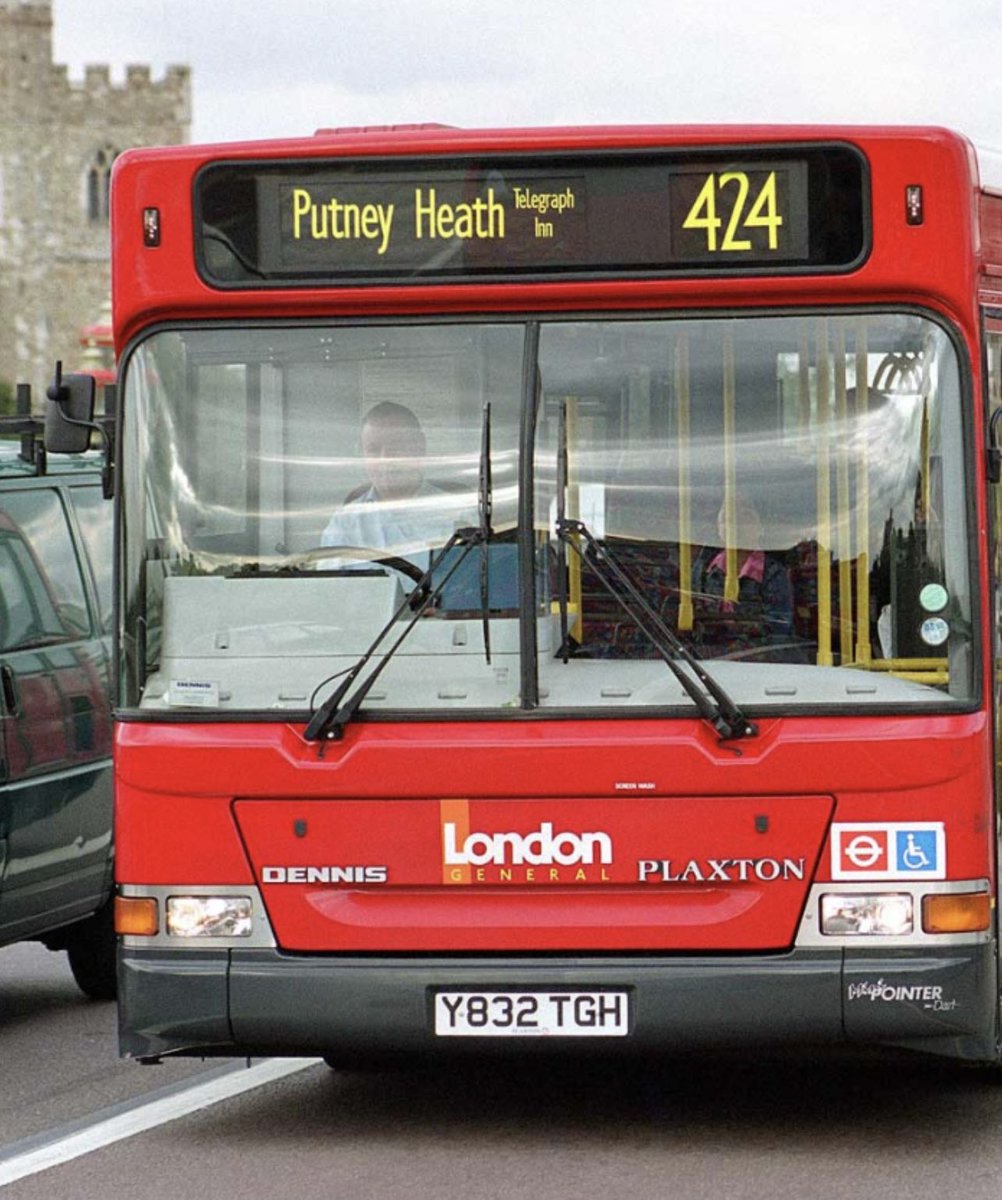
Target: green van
[(56, 849)]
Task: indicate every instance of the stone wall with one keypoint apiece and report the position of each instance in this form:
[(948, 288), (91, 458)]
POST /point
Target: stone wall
[(58, 138)]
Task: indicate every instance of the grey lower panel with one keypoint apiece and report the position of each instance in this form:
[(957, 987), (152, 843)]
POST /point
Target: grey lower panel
[(946, 1002), (172, 1003), (263, 1002)]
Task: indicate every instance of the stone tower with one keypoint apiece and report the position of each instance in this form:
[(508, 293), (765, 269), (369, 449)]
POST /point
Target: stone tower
[(58, 138)]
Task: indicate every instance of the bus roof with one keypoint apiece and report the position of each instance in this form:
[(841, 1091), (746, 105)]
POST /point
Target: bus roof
[(430, 137)]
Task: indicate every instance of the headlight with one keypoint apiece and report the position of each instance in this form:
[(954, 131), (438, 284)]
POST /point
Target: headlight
[(879, 914), (209, 916)]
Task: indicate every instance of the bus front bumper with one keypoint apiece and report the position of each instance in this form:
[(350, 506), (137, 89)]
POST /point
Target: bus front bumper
[(264, 1002)]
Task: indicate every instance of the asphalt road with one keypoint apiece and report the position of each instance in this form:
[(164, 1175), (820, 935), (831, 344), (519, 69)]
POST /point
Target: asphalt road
[(58, 1050), (806, 1126)]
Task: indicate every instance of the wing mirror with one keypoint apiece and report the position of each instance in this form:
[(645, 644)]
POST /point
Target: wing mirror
[(69, 421), (69, 414)]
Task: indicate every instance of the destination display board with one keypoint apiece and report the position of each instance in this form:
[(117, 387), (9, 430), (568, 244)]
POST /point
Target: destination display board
[(331, 221)]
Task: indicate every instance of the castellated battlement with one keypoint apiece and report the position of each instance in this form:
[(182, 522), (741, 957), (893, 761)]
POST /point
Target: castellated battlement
[(50, 95), (29, 9), (59, 137), (33, 88), (138, 97), (138, 78)]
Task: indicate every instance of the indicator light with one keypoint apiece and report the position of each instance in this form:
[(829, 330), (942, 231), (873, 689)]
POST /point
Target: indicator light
[(914, 213), (208, 916), (963, 912), (137, 915), (151, 227), (873, 914)]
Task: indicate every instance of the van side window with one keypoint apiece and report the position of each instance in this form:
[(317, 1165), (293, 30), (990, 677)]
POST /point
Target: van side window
[(94, 514), (43, 595)]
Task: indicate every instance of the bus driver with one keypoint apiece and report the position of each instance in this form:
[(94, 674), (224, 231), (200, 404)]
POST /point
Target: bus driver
[(398, 510)]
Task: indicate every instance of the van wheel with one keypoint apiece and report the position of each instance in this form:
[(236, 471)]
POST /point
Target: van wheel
[(91, 948)]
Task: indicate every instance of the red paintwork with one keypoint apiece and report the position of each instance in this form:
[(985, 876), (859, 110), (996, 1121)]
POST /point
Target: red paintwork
[(213, 803), (703, 804), (587, 903)]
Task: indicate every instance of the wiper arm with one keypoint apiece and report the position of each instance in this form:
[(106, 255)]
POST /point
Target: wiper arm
[(485, 511), (713, 702), (330, 719), (561, 521)]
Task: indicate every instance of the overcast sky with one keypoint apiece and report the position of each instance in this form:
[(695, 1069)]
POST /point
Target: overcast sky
[(271, 68)]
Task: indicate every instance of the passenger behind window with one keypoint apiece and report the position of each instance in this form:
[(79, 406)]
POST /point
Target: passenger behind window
[(758, 623)]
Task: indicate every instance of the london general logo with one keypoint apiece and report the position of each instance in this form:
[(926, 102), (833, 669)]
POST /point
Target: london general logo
[(892, 850)]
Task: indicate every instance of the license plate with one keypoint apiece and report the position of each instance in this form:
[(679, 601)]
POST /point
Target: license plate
[(532, 1014)]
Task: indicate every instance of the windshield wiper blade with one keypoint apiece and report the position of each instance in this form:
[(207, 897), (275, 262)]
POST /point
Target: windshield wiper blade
[(713, 702), (485, 511), (561, 543)]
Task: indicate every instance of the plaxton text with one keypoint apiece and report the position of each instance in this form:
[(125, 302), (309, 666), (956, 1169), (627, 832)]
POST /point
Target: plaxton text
[(719, 870)]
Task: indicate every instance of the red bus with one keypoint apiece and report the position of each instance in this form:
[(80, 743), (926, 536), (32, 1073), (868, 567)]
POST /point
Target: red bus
[(557, 592)]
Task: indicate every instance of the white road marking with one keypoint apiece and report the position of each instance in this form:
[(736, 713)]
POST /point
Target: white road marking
[(139, 1115)]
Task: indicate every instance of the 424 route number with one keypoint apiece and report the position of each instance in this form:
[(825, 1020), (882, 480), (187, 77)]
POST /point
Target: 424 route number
[(727, 207)]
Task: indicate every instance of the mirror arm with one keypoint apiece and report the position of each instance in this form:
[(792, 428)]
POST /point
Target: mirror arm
[(74, 394)]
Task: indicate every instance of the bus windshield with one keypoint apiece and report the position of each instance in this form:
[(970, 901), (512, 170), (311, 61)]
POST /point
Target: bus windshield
[(786, 493)]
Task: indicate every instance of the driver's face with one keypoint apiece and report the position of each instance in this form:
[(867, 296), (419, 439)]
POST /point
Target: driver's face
[(394, 458)]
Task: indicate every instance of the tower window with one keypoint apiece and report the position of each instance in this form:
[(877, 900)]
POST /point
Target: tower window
[(99, 182)]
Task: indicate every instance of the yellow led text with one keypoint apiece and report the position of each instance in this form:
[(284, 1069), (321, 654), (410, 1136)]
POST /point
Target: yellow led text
[(725, 197), (541, 203), (475, 219), (337, 220)]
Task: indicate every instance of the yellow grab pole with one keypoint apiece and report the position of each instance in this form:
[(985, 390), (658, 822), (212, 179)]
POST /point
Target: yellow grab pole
[(683, 400), (731, 584), (825, 658)]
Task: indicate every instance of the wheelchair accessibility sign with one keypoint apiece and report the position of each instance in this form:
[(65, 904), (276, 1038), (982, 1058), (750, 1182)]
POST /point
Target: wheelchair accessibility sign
[(895, 850)]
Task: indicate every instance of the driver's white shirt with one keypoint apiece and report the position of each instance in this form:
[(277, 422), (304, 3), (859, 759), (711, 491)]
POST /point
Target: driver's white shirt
[(407, 527)]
